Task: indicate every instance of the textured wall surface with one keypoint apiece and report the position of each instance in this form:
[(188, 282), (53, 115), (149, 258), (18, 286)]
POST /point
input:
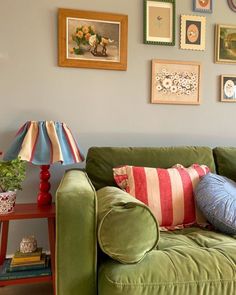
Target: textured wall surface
[(101, 107)]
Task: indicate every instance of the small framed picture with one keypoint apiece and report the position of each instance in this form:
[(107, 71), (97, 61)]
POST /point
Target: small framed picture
[(89, 39), (232, 4), (225, 44), (159, 22), (228, 88), (193, 32), (204, 6), (175, 82)]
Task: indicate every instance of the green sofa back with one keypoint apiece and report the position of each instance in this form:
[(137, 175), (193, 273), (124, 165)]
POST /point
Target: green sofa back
[(101, 160), (225, 161)]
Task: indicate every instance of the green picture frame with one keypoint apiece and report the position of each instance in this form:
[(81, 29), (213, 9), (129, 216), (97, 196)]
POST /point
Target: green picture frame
[(159, 22)]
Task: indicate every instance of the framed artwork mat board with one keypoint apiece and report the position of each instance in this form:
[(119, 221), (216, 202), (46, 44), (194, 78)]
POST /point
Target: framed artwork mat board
[(159, 22), (175, 82)]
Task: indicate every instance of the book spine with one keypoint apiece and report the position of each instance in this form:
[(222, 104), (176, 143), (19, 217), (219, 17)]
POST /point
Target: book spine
[(38, 252), (26, 274), (26, 259), (29, 267)]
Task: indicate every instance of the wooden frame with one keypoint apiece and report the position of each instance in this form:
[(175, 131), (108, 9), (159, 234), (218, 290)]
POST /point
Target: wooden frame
[(204, 6), (193, 32), (92, 39), (159, 22), (225, 44), (228, 88), (232, 4), (175, 82)]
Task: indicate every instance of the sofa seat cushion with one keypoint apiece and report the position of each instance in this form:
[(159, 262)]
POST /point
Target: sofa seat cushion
[(189, 261)]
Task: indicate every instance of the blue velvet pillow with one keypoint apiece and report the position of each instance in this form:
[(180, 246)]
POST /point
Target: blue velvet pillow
[(216, 198)]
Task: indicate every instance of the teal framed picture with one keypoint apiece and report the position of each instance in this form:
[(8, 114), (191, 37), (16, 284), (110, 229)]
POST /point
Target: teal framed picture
[(159, 22)]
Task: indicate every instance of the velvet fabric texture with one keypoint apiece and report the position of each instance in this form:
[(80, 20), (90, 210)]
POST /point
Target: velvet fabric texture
[(76, 238), (225, 159), (101, 160), (191, 261), (216, 198), (127, 229)]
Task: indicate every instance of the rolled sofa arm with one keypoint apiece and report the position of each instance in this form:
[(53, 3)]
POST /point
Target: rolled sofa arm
[(76, 250)]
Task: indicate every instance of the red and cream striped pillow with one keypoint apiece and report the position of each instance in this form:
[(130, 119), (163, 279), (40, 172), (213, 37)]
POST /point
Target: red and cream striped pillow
[(168, 192)]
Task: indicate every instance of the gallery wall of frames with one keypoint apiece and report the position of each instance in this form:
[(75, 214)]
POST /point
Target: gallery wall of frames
[(100, 40)]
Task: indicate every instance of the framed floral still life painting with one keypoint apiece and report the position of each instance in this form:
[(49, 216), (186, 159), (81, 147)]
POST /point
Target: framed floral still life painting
[(225, 44), (228, 88), (175, 82), (204, 6), (159, 22), (92, 39), (193, 32)]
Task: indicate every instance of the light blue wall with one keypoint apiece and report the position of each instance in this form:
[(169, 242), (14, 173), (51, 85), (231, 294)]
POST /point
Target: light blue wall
[(101, 107)]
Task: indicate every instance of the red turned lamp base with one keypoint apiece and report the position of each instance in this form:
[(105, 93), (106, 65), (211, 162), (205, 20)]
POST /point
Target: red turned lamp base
[(44, 196)]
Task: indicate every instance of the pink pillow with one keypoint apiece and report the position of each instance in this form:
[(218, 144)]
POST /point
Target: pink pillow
[(168, 192)]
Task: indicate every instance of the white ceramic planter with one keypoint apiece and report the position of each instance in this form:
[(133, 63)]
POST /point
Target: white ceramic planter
[(7, 202)]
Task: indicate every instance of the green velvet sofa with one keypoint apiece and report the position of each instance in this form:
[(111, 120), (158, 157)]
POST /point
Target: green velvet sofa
[(191, 261)]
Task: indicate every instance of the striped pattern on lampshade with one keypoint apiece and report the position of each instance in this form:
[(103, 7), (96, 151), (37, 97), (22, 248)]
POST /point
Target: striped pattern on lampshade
[(168, 192), (45, 143)]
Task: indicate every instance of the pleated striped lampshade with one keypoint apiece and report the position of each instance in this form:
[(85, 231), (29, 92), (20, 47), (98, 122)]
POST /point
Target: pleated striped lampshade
[(45, 143)]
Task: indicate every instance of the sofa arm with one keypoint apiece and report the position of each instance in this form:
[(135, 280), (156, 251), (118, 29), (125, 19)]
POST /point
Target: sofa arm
[(76, 242)]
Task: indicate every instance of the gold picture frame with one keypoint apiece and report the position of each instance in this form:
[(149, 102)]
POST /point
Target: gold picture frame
[(193, 32), (225, 44), (228, 88), (175, 82), (88, 39)]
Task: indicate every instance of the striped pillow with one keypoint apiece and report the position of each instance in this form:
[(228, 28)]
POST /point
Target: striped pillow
[(168, 192)]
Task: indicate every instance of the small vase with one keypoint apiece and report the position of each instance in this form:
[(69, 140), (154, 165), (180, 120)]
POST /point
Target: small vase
[(7, 202), (28, 245)]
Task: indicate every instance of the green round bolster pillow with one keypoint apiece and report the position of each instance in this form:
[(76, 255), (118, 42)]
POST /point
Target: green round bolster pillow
[(127, 229)]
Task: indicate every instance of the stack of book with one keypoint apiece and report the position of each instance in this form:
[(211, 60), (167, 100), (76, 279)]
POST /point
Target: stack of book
[(28, 261), (35, 264)]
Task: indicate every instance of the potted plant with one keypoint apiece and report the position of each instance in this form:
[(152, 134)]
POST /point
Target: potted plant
[(12, 173)]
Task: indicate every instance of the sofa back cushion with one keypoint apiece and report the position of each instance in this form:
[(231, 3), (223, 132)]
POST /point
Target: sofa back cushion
[(101, 160), (225, 160)]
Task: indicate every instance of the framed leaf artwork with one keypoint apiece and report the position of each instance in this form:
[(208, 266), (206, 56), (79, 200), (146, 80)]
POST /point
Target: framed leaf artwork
[(159, 22)]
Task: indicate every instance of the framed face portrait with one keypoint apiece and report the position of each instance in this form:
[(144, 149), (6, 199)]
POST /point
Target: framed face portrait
[(193, 32), (159, 22), (204, 6), (228, 88)]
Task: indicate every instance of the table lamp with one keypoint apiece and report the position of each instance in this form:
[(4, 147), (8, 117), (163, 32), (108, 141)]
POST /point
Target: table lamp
[(44, 143)]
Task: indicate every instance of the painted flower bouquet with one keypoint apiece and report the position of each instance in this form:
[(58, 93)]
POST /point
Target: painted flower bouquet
[(82, 36), (87, 39)]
